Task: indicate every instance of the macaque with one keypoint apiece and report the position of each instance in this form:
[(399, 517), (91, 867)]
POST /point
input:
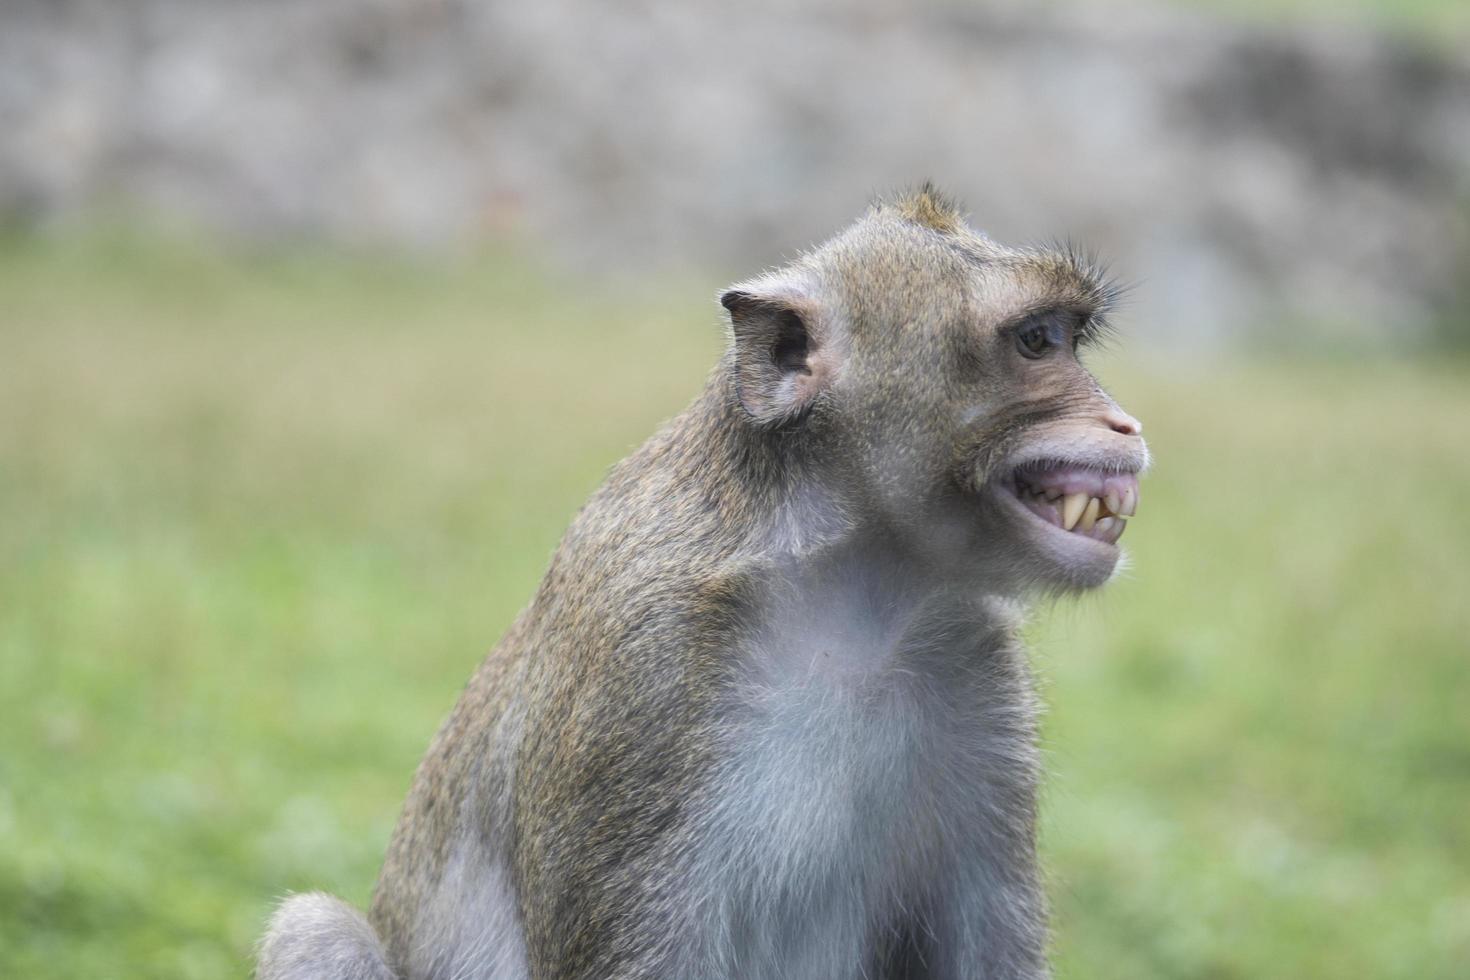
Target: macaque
[(768, 714)]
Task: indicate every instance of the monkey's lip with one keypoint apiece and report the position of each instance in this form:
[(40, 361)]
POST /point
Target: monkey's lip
[(1077, 500)]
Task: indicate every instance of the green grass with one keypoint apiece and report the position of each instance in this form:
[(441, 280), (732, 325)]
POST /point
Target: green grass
[(1440, 22), (260, 517)]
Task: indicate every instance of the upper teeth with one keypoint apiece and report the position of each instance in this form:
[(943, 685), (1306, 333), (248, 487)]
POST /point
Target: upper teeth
[(1084, 512), (1099, 509), (1073, 504)]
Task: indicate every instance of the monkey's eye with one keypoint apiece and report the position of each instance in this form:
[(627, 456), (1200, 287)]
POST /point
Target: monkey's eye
[(1035, 337)]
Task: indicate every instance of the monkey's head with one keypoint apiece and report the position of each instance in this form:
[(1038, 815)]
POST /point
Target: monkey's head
[(929, 380)]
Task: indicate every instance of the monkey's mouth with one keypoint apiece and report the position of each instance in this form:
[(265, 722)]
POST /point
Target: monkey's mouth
[(1079, 500)]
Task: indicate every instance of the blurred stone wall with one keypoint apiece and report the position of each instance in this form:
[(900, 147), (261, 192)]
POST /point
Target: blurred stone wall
[(1242, 178)]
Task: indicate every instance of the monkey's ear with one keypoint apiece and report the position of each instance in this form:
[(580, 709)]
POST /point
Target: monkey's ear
[(783, 358)]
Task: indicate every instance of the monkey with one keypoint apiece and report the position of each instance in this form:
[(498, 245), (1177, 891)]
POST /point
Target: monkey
[(768, 714)]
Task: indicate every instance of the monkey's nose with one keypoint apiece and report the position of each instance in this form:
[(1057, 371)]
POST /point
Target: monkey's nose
[(1121, 422)]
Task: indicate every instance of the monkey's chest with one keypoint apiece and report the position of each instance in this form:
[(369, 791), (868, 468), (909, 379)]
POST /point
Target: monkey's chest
[(844, 804)]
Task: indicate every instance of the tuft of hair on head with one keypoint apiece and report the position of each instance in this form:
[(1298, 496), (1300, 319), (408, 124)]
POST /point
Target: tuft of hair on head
[(929, 207)]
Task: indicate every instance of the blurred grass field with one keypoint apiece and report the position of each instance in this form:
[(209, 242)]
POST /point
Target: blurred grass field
[(259, 519)]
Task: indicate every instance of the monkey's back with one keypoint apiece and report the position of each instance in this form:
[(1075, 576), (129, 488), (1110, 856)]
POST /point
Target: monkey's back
[(605, 682)]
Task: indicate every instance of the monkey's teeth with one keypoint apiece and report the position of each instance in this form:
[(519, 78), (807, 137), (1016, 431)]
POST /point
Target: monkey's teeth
[(1073, 504), (1129, 504), (1081, 500), (1109, 529)]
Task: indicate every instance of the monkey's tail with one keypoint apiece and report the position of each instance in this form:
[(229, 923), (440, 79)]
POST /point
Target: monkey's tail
[(314, 936)]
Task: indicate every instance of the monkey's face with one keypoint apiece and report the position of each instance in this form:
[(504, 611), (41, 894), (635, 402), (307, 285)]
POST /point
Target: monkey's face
[(935, 378), (1008, 460), (1052, 458)]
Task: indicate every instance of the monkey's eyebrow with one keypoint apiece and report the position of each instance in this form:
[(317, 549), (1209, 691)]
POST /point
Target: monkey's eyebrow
[(1078, 285), (1098, 289)]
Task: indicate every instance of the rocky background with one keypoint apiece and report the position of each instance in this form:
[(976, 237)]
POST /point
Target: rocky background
[(1306, 183)]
